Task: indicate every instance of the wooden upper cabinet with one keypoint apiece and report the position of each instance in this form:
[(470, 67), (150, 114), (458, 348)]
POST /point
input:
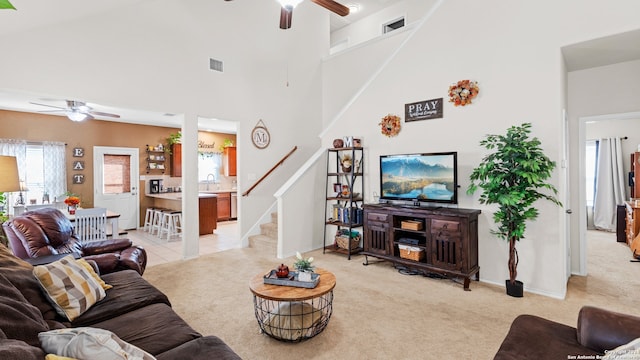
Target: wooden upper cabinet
[(229, 161), (176, 160)]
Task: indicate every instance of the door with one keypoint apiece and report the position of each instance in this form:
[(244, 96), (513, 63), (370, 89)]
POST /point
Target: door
[(115, 184)]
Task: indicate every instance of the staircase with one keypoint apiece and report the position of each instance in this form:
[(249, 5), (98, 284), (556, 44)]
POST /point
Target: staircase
[(267, 240)]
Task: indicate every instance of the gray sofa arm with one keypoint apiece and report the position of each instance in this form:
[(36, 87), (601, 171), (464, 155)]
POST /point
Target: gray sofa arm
[(602, 330)]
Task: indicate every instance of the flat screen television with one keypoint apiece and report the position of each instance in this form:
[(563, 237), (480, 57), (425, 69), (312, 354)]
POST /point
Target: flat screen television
[(427, 177)]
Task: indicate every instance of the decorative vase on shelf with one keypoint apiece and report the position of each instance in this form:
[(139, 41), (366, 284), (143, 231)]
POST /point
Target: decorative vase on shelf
[(72, 209)]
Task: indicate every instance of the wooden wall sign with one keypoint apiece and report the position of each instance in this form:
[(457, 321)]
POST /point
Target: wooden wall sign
[(423, 110), (78, 165), (78, 152), (78, 179)]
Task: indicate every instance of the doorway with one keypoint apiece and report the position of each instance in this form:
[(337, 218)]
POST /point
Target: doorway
[(115, 184), (627, 122)]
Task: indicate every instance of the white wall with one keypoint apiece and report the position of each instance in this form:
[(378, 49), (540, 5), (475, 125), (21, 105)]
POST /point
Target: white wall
[(155, 56), (521, 74), (371, 26)]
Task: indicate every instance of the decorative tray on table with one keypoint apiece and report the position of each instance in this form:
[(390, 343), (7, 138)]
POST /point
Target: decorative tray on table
[(291, 280)]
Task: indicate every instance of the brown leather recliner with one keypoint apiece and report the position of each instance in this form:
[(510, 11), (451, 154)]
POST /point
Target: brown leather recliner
[(48, 231)]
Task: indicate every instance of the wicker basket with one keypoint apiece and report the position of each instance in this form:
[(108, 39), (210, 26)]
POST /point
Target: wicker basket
[(342, 242), (411, 252)]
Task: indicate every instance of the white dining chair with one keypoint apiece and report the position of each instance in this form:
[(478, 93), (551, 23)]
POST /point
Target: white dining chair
[(91, 224)]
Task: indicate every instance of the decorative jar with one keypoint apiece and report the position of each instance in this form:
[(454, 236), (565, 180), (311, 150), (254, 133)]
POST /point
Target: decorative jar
[(304, 275)]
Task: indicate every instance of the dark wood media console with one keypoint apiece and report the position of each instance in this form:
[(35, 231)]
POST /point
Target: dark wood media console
[(439, 240)]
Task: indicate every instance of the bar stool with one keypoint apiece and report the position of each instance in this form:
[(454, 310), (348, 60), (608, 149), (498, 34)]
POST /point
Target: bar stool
[(148, 219), (171, 224), (156, 221)]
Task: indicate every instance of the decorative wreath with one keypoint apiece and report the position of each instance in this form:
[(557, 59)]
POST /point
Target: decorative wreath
[(390, 125), (461, 93)]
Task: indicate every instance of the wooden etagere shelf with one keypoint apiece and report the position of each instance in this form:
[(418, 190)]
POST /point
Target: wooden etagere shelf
[(155, 159), (344, 200)]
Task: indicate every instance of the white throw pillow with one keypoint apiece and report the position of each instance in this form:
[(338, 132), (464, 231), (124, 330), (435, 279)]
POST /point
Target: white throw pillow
[(90, 344), (630, 351), (71, 289)]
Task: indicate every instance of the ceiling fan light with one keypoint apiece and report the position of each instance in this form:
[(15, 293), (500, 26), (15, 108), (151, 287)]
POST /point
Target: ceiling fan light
[(289, 3), (76, 116)]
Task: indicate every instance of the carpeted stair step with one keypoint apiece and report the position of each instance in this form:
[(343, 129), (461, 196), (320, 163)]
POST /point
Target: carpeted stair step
[(264, 243), (269, 229)]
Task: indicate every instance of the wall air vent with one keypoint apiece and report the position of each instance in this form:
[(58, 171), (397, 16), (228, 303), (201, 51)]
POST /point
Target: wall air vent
[(215, 64), (393, 25)]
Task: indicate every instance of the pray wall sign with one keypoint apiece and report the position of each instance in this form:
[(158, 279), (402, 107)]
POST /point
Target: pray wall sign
[(423, 110)]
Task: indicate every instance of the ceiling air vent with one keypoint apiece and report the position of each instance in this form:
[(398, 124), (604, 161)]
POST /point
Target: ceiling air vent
[(393, 25), (215, 65)]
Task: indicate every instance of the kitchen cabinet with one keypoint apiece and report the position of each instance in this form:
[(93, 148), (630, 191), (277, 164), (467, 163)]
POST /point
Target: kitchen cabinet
[(207, 214), (224, 206), (229, 158), (207, 208), (176, 160)]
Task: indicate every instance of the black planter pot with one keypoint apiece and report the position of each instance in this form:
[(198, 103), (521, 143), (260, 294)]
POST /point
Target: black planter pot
[(515, 289)]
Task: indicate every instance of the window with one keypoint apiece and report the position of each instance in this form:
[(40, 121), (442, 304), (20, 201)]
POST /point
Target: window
[(116, 174), (34, 174), (591, 157), (393, 25), (41, 167), (209, 165)]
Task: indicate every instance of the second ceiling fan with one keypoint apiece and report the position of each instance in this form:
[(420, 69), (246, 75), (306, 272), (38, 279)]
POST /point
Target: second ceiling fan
[(286, 12)]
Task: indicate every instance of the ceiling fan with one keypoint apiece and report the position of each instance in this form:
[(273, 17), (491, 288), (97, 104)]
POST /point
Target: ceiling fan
[(286, 12), (77, 111)]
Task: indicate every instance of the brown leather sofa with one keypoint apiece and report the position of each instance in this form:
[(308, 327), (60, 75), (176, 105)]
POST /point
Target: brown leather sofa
[(598, 330), (48, 231), (134, 310)]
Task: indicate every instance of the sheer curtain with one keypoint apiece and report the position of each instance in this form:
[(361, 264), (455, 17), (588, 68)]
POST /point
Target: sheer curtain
[(55, 173), (17, 148), (610, 184)]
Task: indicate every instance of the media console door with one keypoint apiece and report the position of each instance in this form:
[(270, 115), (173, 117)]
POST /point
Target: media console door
[(440, 240)]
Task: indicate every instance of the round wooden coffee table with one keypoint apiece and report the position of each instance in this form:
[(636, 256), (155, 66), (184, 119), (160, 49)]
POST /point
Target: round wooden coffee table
[(289, 313)]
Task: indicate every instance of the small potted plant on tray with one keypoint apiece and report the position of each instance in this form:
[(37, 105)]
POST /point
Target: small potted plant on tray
[(304, 267)]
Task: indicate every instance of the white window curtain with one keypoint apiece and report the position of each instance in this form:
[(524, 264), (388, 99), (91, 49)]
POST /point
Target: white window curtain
[(55, 177), (17, 148), (610, 184), (55, 173)]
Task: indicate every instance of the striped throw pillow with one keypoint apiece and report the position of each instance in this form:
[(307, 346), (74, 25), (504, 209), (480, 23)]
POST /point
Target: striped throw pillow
[(70, 288)]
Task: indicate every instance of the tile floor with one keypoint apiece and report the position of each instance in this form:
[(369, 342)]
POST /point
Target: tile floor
[(225, 237)]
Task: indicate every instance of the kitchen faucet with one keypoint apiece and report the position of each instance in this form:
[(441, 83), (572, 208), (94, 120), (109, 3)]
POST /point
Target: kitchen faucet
[(213, 177)]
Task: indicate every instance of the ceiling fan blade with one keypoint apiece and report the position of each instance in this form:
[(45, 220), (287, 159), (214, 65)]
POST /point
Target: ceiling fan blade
[(333, 6), (98, 113), (286, 13), (53, 106)]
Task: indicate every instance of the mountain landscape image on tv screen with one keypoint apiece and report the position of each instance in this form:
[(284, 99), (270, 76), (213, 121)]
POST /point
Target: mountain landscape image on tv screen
[(425, 177)]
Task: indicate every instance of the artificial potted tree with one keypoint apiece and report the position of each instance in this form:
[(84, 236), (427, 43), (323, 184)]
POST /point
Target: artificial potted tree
[(514, 177)]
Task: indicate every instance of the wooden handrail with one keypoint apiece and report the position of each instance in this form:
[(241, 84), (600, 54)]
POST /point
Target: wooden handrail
[(270, 171)]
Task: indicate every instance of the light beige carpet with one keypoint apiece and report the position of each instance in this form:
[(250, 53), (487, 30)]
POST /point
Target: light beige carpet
[(379, 313)]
